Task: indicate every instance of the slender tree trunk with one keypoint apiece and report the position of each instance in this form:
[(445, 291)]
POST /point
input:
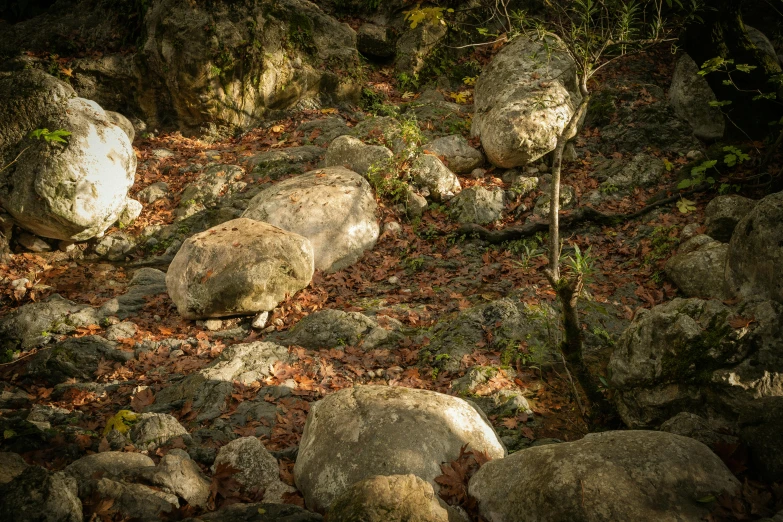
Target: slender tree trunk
[(553, 270), (568, 290)]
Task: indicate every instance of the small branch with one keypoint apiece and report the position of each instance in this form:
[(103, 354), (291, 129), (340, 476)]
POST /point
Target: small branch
[(493, 42), (16, 158), (574, 389), (19, 359)]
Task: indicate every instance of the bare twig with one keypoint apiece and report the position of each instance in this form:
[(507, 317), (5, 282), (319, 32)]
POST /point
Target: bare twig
[(16, 158), (574, 390)]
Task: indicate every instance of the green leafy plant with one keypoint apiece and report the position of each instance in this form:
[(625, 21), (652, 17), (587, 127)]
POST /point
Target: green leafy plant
[(375, 103), (733, 157), (388, 182), (609, 188), (662, 241), (408, 82), (426, 15), (56, 136), (686, 205), (581, 262)]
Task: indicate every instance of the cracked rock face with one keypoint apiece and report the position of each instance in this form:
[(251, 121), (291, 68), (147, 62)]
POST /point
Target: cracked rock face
[(690, 355), (756, 251)]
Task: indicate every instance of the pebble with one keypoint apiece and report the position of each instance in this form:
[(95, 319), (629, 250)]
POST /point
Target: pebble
[(176, 353), (213, 325), (393, 280), (392, 228), (66, 246), (260, 320), (694, 155)]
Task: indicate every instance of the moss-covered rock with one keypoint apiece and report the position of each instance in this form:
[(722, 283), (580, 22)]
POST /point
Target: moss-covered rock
[(518, 331), (230, 62), (696, 355)]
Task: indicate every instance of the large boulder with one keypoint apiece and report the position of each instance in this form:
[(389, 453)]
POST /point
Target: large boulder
[(438, 117), (230, 63), (524, 98), (396, 498), (73, 190), (239, 268), (277, 163), (478, 205), (374, 40), (334, 328), (698, 356), (132, 501), (34, 324), (698, 268), (615, 475), (177, 474), (761, 41), (74, 358), (415, 45), (152, 430), (690, 96), (351, 153), (456, 152), (359, 432), (333, 207), (756, 251), (11, 466), (111, 464)]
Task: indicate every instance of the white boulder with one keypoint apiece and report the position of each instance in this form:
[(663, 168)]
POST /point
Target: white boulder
[(74, 190), (333, 207)]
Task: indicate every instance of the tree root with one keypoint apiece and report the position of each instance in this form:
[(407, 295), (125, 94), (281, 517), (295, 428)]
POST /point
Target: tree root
[(576, 217)]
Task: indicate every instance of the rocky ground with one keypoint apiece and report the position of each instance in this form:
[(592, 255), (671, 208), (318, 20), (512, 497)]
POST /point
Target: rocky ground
[(147, 412)]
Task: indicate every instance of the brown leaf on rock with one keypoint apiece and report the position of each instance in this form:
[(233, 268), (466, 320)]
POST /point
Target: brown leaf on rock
[(142, 399)]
